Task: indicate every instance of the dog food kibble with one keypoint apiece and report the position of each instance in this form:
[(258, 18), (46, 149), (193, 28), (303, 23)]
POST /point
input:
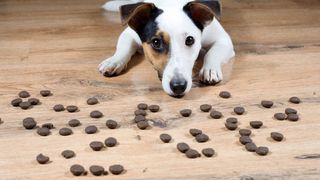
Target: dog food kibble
[(231, 126), (293, 117), (280, 116), (96, 114), (192, 153), (92, 101), (25, 105), (183, 147), (68, 154), (224, 94), (165, 138), (245, 139), (140, 112), (154, 108), (294, 100), (16, 102), (205, 107), (186, 112), (65, 131), (142, 106), (77, 170), (116, 169), (290, 111), (96, 145), (24, 94), (195, 132), (111, 124), (232, 120), (29, 123), (251, 147), (201, 138), (139, 118), (267, 104), (143, 125), (45, 93), (96, 170), (277, 136), (262, 150), (216, 114), (43, 131), (208, 152), (34, 101), (245, 132), (91, 129), (239, 110), (74, 123), (256, 124), (42, 159), (110, 142), (58, 108), (72, 108), (48, 125)]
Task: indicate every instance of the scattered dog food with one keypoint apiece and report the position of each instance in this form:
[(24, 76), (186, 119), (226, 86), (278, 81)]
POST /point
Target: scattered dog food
[(280, 116), (183, 147), (205, 107), (74, 123), (43, 131), (65, 131), (154, 108), (192, 153), (245, 139), (116, 169), (92, 101), (140, 112), (110, 142), (290, 111), (48, 125), (262, 151), (186, 112), (97, 170), (29, 123), (251, 147), (45, 93), (24, 94), (25, 105), (111, 124), (16, 102), (232, 120), (231, 126), (165, 138), (96, 145), (96, 114), (239, 110), (256, 124), (208, 152), (42, 159), (91, 129), (34, 101), (68, 154), (139, 118), (142, 106), (143, 125), (201, 138), (293, 117), (267, 104), (195, 132), (245, 132), (225, 94), (77, 170), (215, 114), (295, 100), (58, 108), (277, 136), (72, 108)]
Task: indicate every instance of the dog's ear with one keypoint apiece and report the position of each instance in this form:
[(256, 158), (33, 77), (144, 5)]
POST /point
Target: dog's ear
[(202, 12), (136, 15)]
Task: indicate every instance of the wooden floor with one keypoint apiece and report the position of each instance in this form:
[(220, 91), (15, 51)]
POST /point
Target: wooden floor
[(58, 45)]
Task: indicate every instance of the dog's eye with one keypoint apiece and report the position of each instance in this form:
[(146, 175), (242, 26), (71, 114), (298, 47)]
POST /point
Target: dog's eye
[(156, 43), (189, 41)]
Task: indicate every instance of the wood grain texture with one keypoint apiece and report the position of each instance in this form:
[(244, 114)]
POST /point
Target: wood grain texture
[(57, 45)]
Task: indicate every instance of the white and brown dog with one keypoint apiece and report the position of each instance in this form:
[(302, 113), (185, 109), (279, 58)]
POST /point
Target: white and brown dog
[(172, 33)]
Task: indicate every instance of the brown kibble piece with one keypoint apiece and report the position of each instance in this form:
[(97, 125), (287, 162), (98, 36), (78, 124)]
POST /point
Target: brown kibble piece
[(208, 152), (77, 170), (25, 105), (195, 132), (183, 147), (245, 132), (96, 170), (192, 153), (43, 131), (231, 126), (74, 123), (251, 147), (293, 117), (116, 169), (290, 111), (205, 107), (29, 123), (165, 138), (225, 94), (154, 108), (45, 93), (58, 108), (295, 100), (110, 142), (111, 124), (245, 139), (239, 110), (42, 159), (186, 112), (34, 101), (142, 106), (24, 94), (91, 129), (96, 114), (140, 112), (92, 101), (96, 145), (216, 114), (68, 154), (262, 150), (72, 108), (201, 138), (256, 124), (48, 125), (143, 125), (277, 136), (16, 102), (280, 116), (139, 118), (267, 104), (65, 131), (232, 120)]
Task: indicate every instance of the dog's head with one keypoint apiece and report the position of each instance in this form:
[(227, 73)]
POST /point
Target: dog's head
[(171, 36)]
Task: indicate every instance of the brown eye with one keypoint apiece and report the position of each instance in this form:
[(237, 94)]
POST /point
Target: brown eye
[(189, 41), (156, 43)]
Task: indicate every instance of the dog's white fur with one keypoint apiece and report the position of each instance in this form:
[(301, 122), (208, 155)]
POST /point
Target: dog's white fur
[(174, 21)]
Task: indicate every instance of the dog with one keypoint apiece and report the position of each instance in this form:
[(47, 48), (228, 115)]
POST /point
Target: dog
[(171, 34)]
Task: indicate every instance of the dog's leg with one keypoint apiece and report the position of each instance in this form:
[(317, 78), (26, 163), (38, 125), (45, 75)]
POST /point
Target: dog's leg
[(220, 51), (127, 45)]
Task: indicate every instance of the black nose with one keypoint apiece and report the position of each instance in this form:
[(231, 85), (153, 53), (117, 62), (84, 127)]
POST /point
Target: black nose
[(178, 86)]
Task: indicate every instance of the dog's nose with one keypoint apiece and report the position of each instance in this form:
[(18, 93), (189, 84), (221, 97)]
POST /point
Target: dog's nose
[(178, 86)]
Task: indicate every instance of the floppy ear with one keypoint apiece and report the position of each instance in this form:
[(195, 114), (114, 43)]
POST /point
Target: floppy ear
[(202, 12), (137, 15)]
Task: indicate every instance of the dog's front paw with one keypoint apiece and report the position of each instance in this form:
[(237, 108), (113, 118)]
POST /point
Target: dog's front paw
[(211, 76), (111, 67)]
